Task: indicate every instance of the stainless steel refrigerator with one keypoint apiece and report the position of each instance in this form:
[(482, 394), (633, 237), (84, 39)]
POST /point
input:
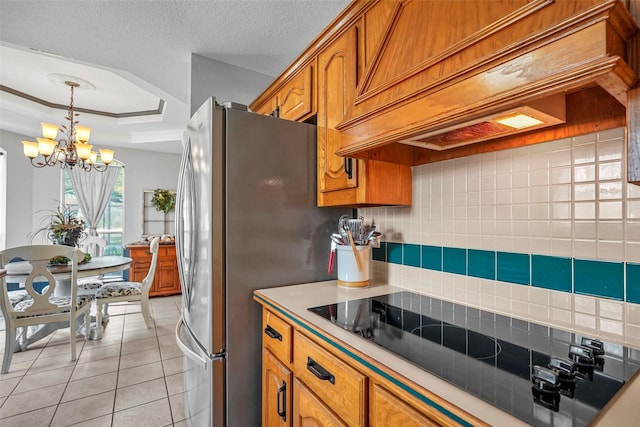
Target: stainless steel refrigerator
[(246, 219)]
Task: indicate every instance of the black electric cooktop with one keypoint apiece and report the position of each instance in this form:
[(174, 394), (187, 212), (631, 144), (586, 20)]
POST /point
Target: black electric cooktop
[(542, 375)]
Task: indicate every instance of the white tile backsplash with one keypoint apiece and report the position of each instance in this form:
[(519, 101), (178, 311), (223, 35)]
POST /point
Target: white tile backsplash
[(565, 198)]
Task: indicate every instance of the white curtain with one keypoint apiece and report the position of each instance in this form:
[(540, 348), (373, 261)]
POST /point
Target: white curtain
[(93, 190)]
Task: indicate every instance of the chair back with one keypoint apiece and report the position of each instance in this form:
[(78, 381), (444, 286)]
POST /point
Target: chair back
[(38, 257), (94, 245), (148, 280)]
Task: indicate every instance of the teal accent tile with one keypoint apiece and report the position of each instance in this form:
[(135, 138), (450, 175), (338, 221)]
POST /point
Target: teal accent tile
[(514, 268), (481, 263), (599, 278), (551, 272), (380, 254), (454, 260), (394, 253), (432, 257), (411, 255), (633, 283)]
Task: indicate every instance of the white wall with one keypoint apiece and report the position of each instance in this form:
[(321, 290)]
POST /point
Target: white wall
[(224, 81), (30, 190), (567, 198)]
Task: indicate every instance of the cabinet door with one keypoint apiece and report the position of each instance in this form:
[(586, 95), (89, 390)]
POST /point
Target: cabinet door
[(341, 387), (388, 409), (309, 411), (337, 67), (295, 99), (267, 107), (276, 392)]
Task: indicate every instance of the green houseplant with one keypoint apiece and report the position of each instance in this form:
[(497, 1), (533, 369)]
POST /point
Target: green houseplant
[(163, 200), (63, 226)]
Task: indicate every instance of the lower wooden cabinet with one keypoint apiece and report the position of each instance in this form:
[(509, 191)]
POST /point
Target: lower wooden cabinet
[(388, 409), (322, 386), (167, 278), (276, 392), (310, 411)]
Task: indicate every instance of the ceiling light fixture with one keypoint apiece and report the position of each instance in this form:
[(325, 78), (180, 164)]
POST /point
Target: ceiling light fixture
[(74, 151)]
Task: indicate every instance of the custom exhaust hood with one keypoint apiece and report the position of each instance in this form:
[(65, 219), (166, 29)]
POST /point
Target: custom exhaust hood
[(471, 65)]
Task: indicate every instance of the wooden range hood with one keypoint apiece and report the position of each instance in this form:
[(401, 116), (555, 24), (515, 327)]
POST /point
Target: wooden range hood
[(446, 65)]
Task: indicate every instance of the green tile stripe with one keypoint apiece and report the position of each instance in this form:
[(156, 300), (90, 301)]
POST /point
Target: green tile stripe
[(600, 278), (366, 364)]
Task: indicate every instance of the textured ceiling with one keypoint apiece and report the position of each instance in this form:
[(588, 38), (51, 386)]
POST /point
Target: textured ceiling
[(150, 42)]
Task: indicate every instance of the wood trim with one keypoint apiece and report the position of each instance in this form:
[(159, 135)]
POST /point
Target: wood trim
[(456, 48), (633, 103)]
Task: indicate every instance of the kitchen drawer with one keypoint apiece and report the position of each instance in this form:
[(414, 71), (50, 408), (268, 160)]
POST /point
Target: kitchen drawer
[(277, 336), (340, 387)]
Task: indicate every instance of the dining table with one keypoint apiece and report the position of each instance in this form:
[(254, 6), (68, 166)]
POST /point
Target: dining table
[(17, 272)]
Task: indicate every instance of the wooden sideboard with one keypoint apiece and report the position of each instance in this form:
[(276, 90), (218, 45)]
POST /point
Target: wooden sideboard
[(167, 279)]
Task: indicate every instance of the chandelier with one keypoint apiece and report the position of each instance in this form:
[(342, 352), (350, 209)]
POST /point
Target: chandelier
[(72, 151)]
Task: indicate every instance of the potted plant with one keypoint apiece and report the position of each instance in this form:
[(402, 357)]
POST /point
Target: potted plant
[(63, 226)]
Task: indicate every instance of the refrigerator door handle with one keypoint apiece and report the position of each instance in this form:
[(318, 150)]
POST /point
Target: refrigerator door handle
[(199, 359), (185, 239)]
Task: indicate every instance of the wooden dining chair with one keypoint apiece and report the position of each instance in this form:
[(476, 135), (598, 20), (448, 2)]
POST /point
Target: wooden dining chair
[(42, 308), (115, 292)]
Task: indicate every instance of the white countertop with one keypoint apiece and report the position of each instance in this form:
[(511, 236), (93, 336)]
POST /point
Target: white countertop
[(298, 298)]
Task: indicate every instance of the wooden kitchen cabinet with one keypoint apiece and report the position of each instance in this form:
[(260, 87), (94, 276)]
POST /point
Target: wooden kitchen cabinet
[(387, 409), (276, 392), (294, 100), (167, 279), (316, 384), (310, 411), (344, 181)]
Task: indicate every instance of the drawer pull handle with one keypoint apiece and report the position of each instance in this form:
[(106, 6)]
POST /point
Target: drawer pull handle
[(272, 333), (319, 371), (282, 391)]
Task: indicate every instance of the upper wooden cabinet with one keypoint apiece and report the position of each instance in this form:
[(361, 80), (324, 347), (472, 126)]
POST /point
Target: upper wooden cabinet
[(343, 181), (294, 98)]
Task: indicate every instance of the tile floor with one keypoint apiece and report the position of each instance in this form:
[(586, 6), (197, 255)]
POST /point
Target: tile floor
[(131, 377)]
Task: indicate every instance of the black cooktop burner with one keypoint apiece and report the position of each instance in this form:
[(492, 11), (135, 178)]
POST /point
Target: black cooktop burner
[(542, 375)]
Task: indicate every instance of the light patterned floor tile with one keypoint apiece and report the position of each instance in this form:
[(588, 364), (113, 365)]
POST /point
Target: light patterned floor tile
[(141, 358), (139, 394), (19, 403), (7, 385), (175, 383), (84, 409), (91, 354), (150, 414), (177, 407), (141, 345), (103, 421), (98, 367), (173, 366), (38, 418), (90, 386), (44, 379), (139, 374)]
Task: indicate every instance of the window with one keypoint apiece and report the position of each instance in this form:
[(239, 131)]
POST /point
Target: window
[(111, 226)]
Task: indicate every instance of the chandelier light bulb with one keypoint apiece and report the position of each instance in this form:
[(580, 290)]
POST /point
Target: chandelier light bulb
[(106, 155), (82, 134), (93, 157), (46, 146), (49, 130), (84, 151), (30, 149)]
